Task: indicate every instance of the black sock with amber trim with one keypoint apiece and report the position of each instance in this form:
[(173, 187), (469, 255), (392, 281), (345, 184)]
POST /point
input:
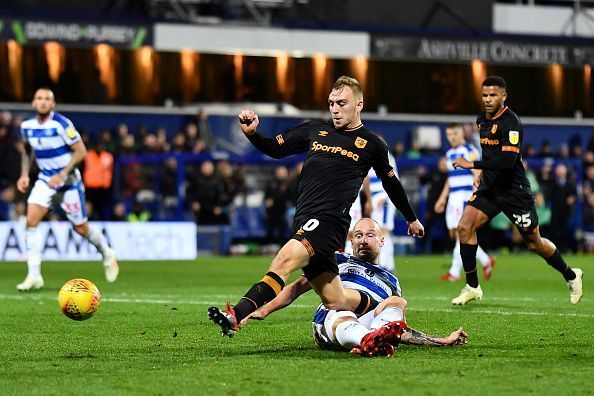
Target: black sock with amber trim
[(468, 253), (260, 293), (557, 262)]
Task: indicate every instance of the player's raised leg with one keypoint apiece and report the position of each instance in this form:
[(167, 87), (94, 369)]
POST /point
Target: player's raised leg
[(548, 251), (472, 219), (34, 244), (73, 204)]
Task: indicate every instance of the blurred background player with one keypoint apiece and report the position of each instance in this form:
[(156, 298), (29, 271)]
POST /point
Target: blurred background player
[(505, 188), (381, 329), (457, 190), (58, 149)]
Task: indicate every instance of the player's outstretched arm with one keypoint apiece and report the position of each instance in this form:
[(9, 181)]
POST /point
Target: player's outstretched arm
[(280, 146), (415, 337), (440, 204), (289, 294)]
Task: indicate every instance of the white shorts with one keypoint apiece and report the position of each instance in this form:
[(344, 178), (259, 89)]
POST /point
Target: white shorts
[(323, 333), (71, 199), (455, 208), (356, 212), (383, 211)]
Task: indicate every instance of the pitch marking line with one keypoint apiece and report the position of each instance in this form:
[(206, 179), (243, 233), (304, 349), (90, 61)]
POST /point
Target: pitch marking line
[(32, 297)]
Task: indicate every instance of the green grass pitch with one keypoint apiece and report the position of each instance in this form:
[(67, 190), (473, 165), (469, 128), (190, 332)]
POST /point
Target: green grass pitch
[(151, 335)]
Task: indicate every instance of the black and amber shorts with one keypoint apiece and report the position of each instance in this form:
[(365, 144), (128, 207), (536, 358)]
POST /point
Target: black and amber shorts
[(516, 203), (322, 237)]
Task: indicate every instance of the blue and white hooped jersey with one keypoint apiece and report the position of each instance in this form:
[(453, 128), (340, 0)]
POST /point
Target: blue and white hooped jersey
[(360, 275), (461, 179), (51, 143)]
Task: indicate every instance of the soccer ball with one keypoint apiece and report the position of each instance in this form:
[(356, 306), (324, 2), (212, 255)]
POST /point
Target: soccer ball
[(79, 299)]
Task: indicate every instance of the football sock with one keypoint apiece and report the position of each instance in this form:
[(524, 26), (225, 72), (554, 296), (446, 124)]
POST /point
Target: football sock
[(389, 314), (33, 242), (557, 262), (482, 256), (350, 333), (97, 239), (367, 304), (260, 293), (456, 260), (386, 259), (468, 254)]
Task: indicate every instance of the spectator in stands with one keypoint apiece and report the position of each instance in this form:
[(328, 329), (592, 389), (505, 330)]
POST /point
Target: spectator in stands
[(191, 133), (563, 152), (275, 201), (589, 176), (588, 158), (292, 185), (229, 189), (128, 146), (545, 179), (590, 145), (204, 130), (7, 202), (179, 143), (563, 196), (168, 180), (107, 141), (529, 151), (199, 147), (546, 150), (138, 213), (398, 150), (576, 151), (204, 194), (588, 212), (434, 182), (120, 212), (10, 161), (162, 142), (150, 144), (98, 178)]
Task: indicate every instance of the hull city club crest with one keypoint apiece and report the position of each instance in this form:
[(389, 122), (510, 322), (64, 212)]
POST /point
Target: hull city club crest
[(360, 143)]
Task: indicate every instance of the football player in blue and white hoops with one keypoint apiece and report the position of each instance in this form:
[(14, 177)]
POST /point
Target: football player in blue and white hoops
[(382, 326), (58, 149), (456, 192)]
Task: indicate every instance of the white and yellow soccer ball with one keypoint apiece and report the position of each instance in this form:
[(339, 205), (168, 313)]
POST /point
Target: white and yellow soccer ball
[(79, 299)]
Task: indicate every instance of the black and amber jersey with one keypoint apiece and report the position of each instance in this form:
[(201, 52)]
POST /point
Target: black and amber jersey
[(501, 144), (337, 162)]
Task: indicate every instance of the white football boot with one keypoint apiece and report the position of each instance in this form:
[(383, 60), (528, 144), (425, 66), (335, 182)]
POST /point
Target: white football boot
[(110, 263), (575, 286), (468, 294), (31, 283)]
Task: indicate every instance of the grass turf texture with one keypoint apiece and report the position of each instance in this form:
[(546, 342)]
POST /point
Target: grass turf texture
[(151, 335)]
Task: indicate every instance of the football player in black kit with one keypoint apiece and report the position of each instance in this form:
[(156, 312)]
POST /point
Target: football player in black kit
[(503, 188), (340, 153)]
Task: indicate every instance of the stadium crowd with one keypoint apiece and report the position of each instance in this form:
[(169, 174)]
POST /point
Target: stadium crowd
[(149, 190)]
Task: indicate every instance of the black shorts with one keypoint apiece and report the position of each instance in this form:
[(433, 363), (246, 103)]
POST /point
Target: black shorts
[(322, 237), (517, 204)]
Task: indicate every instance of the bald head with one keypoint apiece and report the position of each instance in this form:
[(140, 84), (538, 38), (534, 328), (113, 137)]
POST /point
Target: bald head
[(367, 240), (43, 101)]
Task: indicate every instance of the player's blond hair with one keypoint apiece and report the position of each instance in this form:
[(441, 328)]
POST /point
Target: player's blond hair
[(352, 83)]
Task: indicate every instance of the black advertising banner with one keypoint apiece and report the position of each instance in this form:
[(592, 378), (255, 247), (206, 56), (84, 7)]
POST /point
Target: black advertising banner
[(75, 34), (494, 51)]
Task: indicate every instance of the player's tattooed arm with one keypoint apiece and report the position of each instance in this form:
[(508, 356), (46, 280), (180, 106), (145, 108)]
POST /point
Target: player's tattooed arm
[(289, 294), (416, 337)]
